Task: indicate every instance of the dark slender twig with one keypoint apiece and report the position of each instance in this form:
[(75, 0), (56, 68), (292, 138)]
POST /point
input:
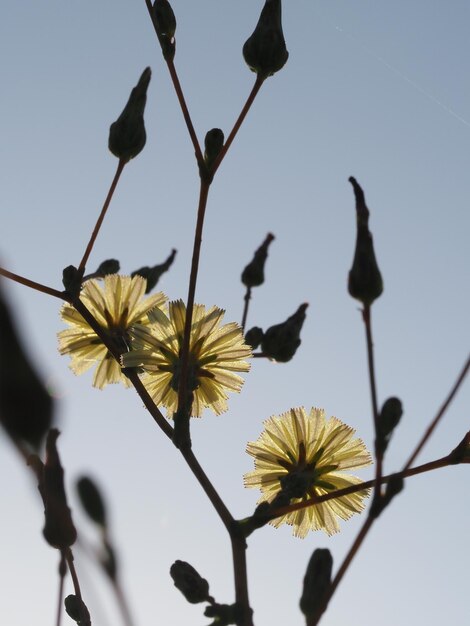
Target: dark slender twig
[(62, 572), (241, 580), (33, 285), (440, 413), (101, 216), (76, 584), (123, 605), (254, 92), (247, 299)]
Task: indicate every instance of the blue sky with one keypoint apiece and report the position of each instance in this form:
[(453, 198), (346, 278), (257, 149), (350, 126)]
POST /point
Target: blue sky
[(371, 89)]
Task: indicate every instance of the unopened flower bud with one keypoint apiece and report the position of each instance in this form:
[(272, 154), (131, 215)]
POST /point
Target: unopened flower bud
[(254, 337), (253, 274), (213, 144), (77, 610), (317, 582), (280, 342), (165, 25), (389, 418), (127, 135), (194, 588), (72, 279), (91, 500), (110, 266), (364, 281), (59, 530), (265, 51), (152, 274), (225, 614)]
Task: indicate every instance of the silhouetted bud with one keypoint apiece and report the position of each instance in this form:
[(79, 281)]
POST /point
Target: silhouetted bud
[(254, 337), (165, 25), (280, 342), (72, 280), (388, 419), (194, 588), (127, 135), (91, 500), (26, 407), (59, 530), (153, 274), (77, 610), (213, 144), (265, 51), (364, 281), (253, 274), (317, 582), (110, 266), (393, 488)]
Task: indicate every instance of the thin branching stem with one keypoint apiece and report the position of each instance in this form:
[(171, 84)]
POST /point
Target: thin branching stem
[(241, 580), (254, 92), (62, 572), (247, 299), (101, 216), (179, 93), (445, 405), (123, 604), (50, 291)]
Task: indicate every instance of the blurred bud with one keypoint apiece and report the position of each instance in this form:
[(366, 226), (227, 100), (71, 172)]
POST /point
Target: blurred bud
[(26, 407), (153, 274), (253, 274), (394, 487), (92, 500), (77, 610), (265, 51), (110, 266), (254, 337), (280, 342), (72, 280), (213, 144), (388, 420), (127, 135), (364, 281), (194, 588), (59, 530), (165, 25), (317, 582)]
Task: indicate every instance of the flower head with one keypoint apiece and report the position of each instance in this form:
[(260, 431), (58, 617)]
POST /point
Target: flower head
[(215, 353), (116, 304), (304, 455)]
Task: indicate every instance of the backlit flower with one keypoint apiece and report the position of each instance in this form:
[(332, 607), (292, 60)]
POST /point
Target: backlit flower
[(305, 455), (215, 353), (116, 303)]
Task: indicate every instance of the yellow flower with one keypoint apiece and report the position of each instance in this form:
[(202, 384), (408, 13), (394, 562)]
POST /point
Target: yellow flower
[(116, 305), (304, 455), (215, 353)]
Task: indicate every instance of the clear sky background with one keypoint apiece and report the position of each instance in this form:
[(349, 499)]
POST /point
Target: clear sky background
[(373, 89)]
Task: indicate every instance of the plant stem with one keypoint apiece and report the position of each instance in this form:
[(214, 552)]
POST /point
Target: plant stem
[(254, 92), (440, 413), (62, 572), (33, 285), (241, 580), (247, 299), (101, 217), (76, 585), (182, 389)]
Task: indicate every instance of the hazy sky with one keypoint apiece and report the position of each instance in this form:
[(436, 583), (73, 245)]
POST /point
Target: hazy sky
[(372, 89)]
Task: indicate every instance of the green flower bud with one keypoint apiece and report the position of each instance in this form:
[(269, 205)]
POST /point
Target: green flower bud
[(253, 274), (110, 266), (91, 500), (388, 419), (72, 280), (280, 342), (127, 135), (254, 337), (165, 25), (317, 582), (265, 51), (77, 610), (213, 144), (194, 588), (26, 406), (364, 281), (153, 274)]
